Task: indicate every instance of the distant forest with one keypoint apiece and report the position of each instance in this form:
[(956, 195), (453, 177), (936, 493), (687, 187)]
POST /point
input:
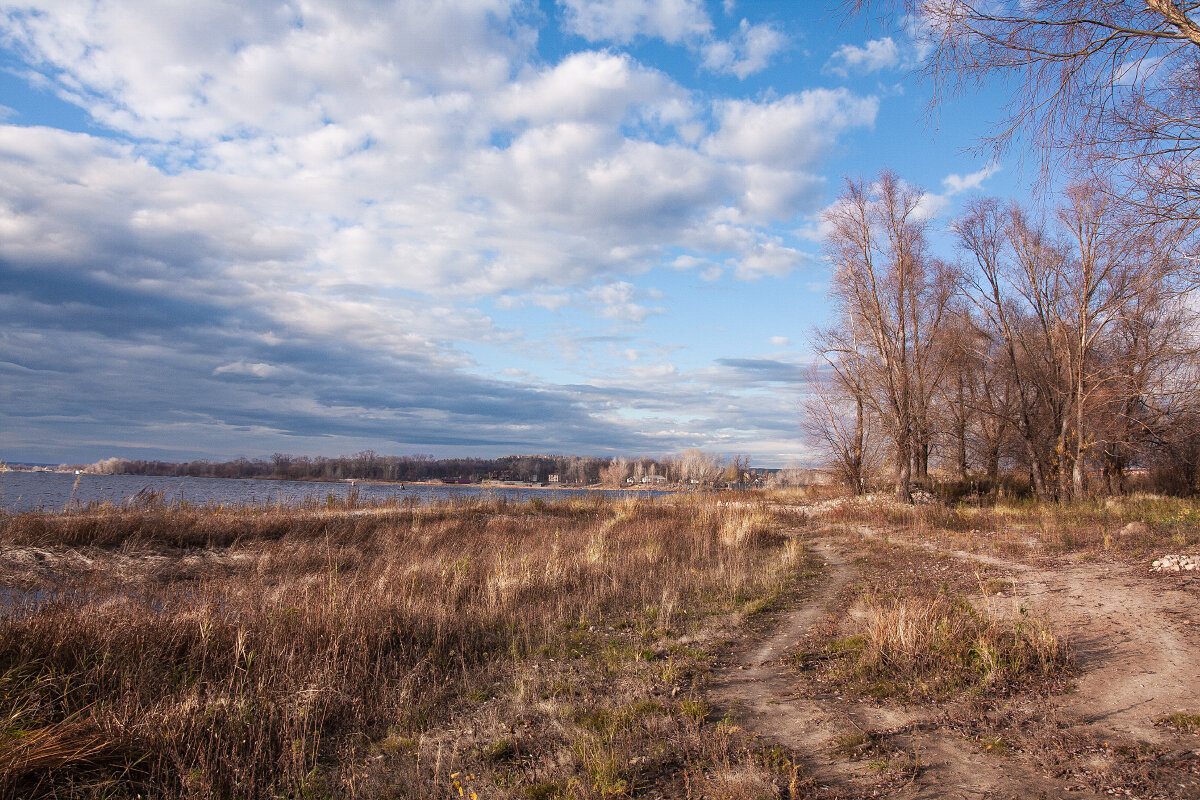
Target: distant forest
[(692, 467)]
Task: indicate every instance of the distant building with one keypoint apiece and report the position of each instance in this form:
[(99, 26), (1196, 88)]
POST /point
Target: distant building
[(654, 479)]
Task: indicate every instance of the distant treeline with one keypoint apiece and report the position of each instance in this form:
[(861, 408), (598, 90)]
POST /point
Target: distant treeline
[(693, 467), (368, 465)]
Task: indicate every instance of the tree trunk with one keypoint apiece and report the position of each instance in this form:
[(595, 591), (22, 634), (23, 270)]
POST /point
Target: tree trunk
[(904, 475), (993, 462)]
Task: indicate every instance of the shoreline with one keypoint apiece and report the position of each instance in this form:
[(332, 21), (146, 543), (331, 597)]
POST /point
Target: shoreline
[(437, 483)]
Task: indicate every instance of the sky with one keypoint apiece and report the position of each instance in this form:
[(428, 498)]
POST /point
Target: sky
[(462, 227)]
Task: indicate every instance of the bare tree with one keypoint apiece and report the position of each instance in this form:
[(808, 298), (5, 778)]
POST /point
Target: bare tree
[(1013, 287), (891, 297), (1112, 85), (1077, 320), (956, 415), (837, 424), (700, 468)]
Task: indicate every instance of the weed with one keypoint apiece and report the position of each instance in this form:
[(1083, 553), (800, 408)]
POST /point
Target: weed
[(1182, 721), (997, 745), (544, 790), (899, 764), (697, 710), (502, 749), (853, 744)]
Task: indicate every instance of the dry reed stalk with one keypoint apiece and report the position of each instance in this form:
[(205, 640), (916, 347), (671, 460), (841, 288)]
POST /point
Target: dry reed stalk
[(259, 653)]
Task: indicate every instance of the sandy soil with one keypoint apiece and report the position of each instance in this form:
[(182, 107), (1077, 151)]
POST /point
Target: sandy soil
[(1135, 636)]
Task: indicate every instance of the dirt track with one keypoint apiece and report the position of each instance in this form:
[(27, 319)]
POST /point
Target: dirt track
[(1137, 659)]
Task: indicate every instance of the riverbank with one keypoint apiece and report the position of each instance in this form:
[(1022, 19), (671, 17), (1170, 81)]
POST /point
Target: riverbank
[(772, 646), (514, 650)]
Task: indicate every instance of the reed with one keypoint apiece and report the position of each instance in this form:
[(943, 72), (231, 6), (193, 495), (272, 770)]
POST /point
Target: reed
[(362, 652)]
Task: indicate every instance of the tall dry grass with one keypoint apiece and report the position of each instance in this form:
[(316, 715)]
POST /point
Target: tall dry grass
[(930, 645), (345, 651), (1131, 526)]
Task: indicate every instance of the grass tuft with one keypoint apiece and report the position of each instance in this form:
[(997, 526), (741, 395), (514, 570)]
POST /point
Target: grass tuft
[(933, 646)]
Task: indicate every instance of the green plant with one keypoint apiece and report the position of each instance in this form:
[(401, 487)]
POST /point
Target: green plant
[(1182, 721)]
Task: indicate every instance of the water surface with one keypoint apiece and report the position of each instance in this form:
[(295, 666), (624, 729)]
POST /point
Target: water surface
[(48, 491)]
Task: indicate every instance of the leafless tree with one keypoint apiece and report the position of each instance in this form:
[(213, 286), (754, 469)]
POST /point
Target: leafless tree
[(836, 422), (891, 298), (1112, 86), (700, 468), (956, 415), (1078, 320), (1013, 287)]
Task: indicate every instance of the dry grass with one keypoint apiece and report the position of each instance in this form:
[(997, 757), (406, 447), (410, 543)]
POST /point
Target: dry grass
[(1133, 527), (937, 646), (1182, 721), (924, 627), (548, 650)]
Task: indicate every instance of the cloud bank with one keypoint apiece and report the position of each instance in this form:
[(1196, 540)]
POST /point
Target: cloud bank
[(293, 224)]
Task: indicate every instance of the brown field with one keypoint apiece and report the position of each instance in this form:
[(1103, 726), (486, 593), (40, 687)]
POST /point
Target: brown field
[(738, 646)]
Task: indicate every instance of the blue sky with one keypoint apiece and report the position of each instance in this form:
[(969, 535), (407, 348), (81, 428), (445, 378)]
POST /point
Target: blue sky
[(466, 227)]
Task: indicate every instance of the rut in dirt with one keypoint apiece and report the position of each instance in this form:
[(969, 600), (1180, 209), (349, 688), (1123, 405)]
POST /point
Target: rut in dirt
[(757, 689)]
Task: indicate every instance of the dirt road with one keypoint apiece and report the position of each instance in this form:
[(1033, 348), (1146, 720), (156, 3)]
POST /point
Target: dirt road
[(1136, 651)]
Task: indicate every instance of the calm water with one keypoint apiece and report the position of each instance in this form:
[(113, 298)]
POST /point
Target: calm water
[(33, 491)]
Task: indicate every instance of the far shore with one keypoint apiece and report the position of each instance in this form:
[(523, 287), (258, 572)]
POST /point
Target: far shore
[(489, 484)]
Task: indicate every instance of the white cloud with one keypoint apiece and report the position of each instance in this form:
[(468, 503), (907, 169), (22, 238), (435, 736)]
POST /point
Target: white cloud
[(772, 194), (875, 55), (201, 71), (769, 258), (257, 370), (955, 183), (790, 132), (750, 51), (654, 371), (622, 21), (931, 206), (781, 341), (281, 199), (617, 302), (591, 87), (678, 22)]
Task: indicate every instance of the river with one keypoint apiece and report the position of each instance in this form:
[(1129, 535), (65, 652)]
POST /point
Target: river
[(48, 491)]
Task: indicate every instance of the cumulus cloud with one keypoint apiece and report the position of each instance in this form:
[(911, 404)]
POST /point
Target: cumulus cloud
[(746, 53), (622, 21), (956, 184), (679, 22), (616, 301), (875, 55), (289, 216), (591, 87), (770, 258), (206, 70), (790, 132)]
